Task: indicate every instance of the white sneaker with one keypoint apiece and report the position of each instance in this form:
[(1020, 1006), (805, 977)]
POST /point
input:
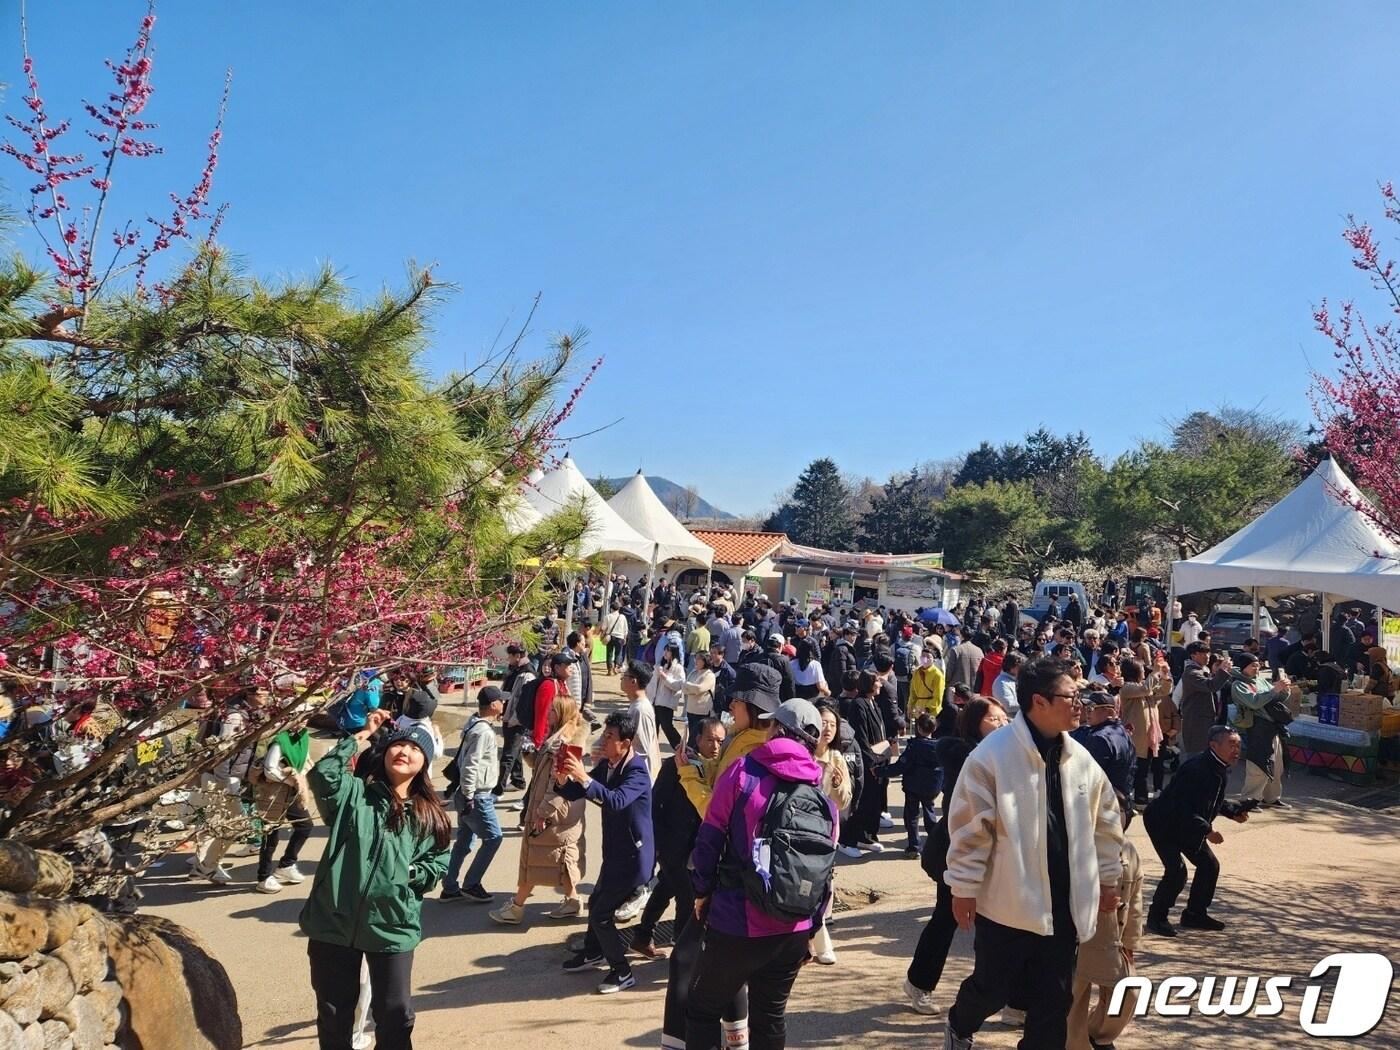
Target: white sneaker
[(826, 958), (919, 1000), (849, 851), (361, 1041), (633, 906), (871, 847), (268, 885), (289, 874), (1012, 1018), (219, 876), (886, 821)]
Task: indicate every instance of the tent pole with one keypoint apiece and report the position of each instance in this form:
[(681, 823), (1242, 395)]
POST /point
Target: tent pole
[(1327, 622), (1167, 614), (1254, 599), (569, 608), (651, 574), (608, 589)]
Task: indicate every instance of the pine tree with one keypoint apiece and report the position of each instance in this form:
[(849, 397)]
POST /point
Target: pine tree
[(901, 519), (818, 514)]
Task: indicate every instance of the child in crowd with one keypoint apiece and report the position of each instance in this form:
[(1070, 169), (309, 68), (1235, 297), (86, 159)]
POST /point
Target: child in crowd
[(923, 780)]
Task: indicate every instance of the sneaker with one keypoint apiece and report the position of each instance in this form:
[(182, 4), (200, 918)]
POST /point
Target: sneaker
[(646, 950), (953, 1041), (511, 915), (268, 885), (911, 851), (172, 824), (616, 982), (567, 909), (849, 851), (1277, 803), (289, 874), (871, 847), (1013, 1018), (219, 876), (451, 895), (510, 807), (886, 821), (583, 961), (1161, 927), (476, 895), (633, 906), (1190, 921), (361, 1041), (919, 1000), (826, 958)]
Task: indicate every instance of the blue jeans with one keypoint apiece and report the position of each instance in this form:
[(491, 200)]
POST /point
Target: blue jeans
[(475, 819)]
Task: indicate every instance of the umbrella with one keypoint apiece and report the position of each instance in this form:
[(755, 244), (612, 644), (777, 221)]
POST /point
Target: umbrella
[(942, 616)]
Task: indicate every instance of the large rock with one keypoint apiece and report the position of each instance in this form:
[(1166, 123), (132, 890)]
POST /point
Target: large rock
[(177, 994), (24, 928), (84, 1019), (57, 1036), (19, 867), (85, 955), (23, 997), (55, 874), (108, 999), (10, 1032), (56, 987)]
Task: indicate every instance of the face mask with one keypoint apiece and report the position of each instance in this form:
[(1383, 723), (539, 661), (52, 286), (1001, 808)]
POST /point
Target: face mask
[(926, 660)]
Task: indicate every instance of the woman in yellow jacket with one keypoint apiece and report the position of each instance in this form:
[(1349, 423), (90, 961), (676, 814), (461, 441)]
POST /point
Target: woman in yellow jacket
[(926, 687)]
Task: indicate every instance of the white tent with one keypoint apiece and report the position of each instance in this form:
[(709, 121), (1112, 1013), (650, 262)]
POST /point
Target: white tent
[(1313, 540), (640, 507), (608, 535), (520, 514)]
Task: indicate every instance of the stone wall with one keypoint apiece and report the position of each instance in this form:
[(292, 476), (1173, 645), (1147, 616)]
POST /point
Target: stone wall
[(73, 979)]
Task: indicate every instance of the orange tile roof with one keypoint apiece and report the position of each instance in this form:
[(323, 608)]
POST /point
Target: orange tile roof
[(739, 548)]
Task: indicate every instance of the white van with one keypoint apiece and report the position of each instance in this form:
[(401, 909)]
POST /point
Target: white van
[(1059, 590)]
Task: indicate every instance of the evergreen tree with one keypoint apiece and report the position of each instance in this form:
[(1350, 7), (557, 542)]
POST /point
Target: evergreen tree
[(818, 514), (901, 519)]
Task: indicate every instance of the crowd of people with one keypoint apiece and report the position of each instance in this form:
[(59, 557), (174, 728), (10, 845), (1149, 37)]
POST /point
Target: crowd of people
[(759, 742)]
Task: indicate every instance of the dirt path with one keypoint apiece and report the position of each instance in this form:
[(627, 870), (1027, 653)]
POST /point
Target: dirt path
[(1297, 885)]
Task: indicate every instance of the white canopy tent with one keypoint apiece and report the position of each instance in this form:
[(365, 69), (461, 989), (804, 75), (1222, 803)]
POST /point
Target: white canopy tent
[(519, 513), (1313, 540), (641, 508), (607, 536)]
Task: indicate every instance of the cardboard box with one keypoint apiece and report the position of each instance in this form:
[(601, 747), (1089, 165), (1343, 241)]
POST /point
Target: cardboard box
[(1361, 705)]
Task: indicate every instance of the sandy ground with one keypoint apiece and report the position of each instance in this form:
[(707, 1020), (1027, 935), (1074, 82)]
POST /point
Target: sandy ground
[(1297, 885)]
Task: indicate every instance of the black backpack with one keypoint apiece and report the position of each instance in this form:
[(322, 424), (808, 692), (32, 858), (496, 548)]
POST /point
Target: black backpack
[(799, 831), (525, 705)]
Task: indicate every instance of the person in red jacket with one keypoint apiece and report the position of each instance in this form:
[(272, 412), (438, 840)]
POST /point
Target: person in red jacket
[(555, 685), (990, 667)]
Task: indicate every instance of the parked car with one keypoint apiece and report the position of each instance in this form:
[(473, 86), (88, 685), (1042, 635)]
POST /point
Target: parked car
[(1058, 590), (1230, 626)]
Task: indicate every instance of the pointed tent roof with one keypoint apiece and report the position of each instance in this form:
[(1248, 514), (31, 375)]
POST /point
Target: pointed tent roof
[(1312, 540), (520, 514), (607, 533), (641, 508)]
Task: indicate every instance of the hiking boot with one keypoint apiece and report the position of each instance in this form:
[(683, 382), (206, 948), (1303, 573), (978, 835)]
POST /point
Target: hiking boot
[(580, 961), (616, 981), (919, 1000), (1161, 927), (1191, 921)]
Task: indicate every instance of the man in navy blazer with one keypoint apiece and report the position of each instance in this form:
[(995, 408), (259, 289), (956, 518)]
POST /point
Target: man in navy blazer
[(621, 785)]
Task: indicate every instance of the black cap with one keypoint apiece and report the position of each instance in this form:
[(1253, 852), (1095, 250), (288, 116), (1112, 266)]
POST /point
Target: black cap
[(757, 684), (563, 656)]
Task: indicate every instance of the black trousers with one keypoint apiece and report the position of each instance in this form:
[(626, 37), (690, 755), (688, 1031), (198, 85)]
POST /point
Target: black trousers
[(300, 821), (511, 773), (931, 953), (1038, 971), (680, 976), (672, 884), (1174, 856), (602, 936), (1159, 772), (864, 822), (666, 722), (335, 978), (768, 965)]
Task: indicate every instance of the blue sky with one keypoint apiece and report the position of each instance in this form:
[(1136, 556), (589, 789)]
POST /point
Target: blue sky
[(877, 232)]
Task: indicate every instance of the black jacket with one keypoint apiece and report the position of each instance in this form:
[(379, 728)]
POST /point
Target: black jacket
[(888, 700), (1188, 805), (837, 661), (918, 765), (868, 728), (779, 662), (675, 822), (1113, 750)]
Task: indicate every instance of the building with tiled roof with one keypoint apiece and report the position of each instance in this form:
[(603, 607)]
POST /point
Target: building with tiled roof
[(741, 556)]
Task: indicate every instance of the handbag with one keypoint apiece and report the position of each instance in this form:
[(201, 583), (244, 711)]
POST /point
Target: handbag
[(271, 800)]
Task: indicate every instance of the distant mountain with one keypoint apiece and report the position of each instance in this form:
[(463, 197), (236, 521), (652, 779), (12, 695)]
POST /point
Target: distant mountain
[(675, 498)]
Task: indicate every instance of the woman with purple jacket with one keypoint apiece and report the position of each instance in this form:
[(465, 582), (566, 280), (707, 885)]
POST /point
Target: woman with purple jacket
[(743, 943)]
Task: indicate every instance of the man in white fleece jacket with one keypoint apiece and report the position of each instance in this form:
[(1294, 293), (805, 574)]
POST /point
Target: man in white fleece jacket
[(1035, 855)]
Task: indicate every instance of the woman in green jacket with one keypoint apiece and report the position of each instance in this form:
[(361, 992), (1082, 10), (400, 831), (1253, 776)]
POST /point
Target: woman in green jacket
[(388, 845)]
